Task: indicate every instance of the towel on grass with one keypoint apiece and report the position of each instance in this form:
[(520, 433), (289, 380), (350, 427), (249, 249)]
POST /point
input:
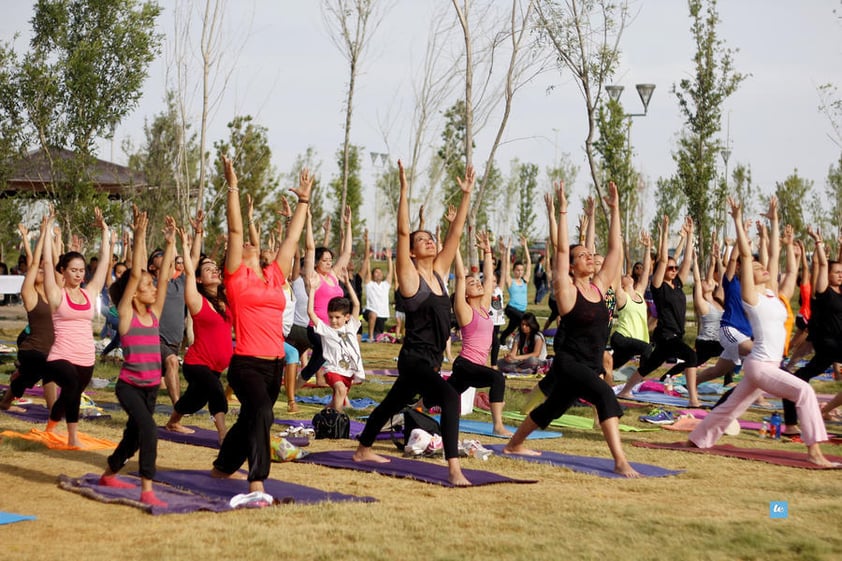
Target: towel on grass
[(358, 403), (58, 441), (419, 470), (603, 467)]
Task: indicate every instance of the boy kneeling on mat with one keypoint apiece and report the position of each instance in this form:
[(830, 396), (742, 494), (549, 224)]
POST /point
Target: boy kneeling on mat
[(343, 362)]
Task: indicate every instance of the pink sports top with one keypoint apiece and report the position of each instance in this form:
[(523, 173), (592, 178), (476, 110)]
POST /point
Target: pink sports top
[(324, 294), (74, 340), (142, 354), (212, 345), (476, 337)]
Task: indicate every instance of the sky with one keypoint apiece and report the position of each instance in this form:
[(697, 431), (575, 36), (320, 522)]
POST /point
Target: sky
[(286, 72)]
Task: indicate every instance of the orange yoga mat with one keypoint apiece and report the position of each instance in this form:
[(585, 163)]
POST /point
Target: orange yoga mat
[(58, 441)]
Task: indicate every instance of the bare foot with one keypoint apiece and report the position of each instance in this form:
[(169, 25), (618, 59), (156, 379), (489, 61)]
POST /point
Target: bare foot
[(179, 428), (13, 409), (459, 480), (624, 395), (216, 474), (502, 431), (520, 450), (74, 443), (695, 405), (626, 470), (821, 461), (292, 407), (367, 455)]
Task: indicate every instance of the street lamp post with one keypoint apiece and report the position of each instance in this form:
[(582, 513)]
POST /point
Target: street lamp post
[(645, 92), (379, 160)]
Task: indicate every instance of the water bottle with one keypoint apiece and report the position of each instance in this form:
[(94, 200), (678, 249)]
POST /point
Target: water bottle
[(764, 429), (668, 385), (776, 425)]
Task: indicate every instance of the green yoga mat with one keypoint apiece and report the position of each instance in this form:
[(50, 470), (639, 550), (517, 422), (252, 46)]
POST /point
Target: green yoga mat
[(571, 422)]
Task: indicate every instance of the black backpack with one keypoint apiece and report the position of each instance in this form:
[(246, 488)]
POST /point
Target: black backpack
[(330, 423), (412, 419)]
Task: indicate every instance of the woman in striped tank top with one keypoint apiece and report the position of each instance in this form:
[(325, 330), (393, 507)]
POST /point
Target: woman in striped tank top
[(139, 305)]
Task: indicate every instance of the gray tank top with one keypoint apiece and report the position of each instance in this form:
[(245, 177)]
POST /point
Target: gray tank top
[(709, 325)]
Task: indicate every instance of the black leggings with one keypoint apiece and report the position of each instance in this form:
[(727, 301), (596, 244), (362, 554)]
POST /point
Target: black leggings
[(256, 383), (669, 348), (31, 369), (495, 344), (828, 351), (72, 379), (418, 373), (317, 358), (515, 316), (467, 374), (574, 380), (141, 432), (204, 387), (627, 347)]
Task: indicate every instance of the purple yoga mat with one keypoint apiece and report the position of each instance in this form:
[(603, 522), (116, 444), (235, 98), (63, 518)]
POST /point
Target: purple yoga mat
[(178, 501), (356, 428), (210, 438), (780, 457), (37, 413), (34, 390), (201, 483), (419, 470), (603, 467)]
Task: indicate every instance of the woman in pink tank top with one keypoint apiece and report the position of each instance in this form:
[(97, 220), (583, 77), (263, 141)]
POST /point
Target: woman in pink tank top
[(70, 363), (471, 303)]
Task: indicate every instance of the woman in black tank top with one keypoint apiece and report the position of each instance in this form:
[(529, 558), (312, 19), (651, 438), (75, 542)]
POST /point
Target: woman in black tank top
[(584, 318), (420, 267)]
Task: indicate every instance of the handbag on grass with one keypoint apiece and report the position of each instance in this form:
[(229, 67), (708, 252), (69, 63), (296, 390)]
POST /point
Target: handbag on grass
[(330, 423)]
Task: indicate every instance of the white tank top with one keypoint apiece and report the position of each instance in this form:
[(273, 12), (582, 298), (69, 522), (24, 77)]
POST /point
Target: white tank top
[(767, 324)]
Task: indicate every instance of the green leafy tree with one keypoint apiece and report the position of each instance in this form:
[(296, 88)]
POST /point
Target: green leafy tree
[(353, 191), (526, 178), (309, 159), (83, 74), (170, 163), (700, 99), (794, 194), (670, 200), (248, 147)]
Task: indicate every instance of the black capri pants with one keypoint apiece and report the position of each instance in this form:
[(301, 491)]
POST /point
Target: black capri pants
[(467, 374), (204, 387), (669, 348), (141, 432)]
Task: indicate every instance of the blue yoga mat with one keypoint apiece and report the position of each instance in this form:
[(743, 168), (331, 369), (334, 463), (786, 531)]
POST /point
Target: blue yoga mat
[(9, 517), (358, 403), (486, 429), (603, 467)]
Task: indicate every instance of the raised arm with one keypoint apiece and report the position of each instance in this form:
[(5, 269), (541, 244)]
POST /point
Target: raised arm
[(689, 251), (663, 253), (445, 257), (51, 286), (527, 272), (747, 293), (234, 253), (506, 269), (309, 249), (565, 291), (296, 224), (405, 272), (789, 280), (254, 233), (484, 245), (167, 266), (820, 282), (345, 278), (773, 243), (463, 311), (326, 232), (391, 270), (191, 292), (614, 256), (198, 224), (646, 242), (763, 243), (551, 220), (24, 238), (102, 269), (124, 306), (699, 303), (27, 292)]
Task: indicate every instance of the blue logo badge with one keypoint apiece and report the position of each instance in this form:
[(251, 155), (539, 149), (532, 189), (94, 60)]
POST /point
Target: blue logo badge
[(778, 509)]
